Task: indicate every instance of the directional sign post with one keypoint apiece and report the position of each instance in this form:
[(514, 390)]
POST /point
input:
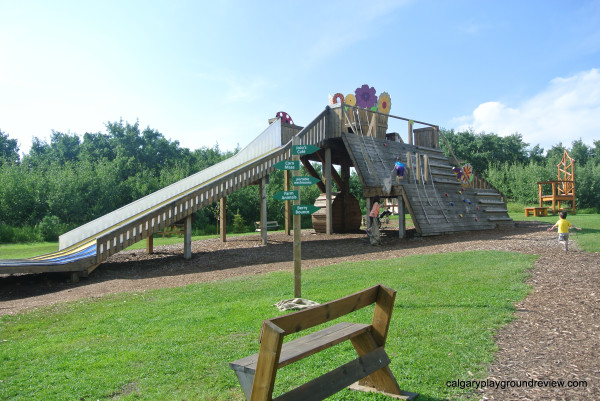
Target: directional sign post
[(298, 210)]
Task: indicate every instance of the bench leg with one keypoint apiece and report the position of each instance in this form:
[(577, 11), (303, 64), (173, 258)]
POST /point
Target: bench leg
[(245, 380), (383, 379)]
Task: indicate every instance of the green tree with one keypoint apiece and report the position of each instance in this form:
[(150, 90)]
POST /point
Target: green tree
[(9, 149)]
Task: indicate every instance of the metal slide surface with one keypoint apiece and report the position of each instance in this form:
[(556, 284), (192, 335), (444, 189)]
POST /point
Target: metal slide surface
[(79, 245)]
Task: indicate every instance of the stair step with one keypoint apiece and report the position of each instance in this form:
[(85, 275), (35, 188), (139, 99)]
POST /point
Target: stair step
[(495, 210), (490, 202)]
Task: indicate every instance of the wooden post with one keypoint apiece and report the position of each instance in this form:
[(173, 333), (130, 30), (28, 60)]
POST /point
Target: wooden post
[(345, 178), (187, 238), (150, 244), (418, 167), (368, 222), (327, 176), (263, 209), (223, 218), (410, 132), (288, 209), (401, 219), (425, 168), (297, 237)]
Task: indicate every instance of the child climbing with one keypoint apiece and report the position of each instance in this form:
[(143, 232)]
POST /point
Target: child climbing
[(563, 229), (399, 170)]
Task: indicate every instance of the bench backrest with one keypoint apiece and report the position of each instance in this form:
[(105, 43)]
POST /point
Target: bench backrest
[(273, 330), (381, 295)]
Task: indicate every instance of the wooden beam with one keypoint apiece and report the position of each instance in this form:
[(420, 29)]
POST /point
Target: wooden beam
[(311, 171), (223, 218), (334, 174), (288, 209), (263, 209), (150, 244), (187, 238), (327, 167)]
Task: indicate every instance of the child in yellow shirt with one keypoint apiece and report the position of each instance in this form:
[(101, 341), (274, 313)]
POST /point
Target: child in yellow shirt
[(563, 229)]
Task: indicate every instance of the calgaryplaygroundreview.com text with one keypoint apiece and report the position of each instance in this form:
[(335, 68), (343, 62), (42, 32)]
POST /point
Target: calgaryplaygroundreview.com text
[(503, 384)]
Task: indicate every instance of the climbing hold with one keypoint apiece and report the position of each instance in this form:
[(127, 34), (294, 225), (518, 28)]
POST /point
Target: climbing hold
[(460, 192), (451, 203), (446, 194), (464, 200), (460, 215), (470, 202), (476, 218)]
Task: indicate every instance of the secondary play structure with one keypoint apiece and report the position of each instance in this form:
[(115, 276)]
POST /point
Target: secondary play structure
[(351, 132), (563, 188)]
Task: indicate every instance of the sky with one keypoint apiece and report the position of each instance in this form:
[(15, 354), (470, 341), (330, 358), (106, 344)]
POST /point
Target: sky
[(213, 72)]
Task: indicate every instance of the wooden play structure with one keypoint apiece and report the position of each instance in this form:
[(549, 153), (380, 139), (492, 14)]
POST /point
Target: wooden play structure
[(562, 189), (351, 134), (257, 373)]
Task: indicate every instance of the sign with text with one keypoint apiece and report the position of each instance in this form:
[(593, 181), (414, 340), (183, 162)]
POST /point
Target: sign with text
[(304, 181), (288, 165), (304, 209), (286, 195), (304, 149)]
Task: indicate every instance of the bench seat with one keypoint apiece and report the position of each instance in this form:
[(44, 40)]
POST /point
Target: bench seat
[(303, 347)]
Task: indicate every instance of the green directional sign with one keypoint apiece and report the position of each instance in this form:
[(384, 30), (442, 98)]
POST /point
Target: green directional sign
[(304, 209), (286, 195), (304, 149), (288, 165), (303, 181)]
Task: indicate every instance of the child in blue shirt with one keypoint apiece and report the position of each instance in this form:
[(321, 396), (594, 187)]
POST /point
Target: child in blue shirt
[(399, 170)]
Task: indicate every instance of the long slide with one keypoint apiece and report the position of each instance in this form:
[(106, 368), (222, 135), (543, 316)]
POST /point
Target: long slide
[(85, 247)]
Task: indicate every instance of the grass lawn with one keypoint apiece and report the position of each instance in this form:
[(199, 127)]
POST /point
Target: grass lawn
[(174, 344)]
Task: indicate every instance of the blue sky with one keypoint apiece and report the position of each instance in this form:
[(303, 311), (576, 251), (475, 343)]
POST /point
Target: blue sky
[(214, 72)]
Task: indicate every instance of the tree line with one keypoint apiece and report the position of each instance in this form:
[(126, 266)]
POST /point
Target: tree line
[(514, 168), (71, 180)]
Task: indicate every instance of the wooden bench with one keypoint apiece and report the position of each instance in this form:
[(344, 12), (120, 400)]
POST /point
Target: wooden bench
[(256, 373), (175, 229), (271, 225), (536, 211)]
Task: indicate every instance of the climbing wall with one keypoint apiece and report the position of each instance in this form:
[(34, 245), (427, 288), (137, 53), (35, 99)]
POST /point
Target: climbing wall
[(436, 200)]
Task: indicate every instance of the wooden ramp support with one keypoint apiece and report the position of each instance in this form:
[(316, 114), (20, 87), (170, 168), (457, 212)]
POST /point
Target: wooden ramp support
[(256, 373)]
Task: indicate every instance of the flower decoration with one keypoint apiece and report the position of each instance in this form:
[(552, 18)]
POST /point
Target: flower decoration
[(385, 103), (365, 97), (467, 175), (338, 98), (350, 100)]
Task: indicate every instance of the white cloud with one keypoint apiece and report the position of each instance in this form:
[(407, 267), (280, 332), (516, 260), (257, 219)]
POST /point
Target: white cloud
[(567, 110)]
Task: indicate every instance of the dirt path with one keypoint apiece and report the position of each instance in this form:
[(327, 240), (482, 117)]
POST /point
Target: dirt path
[(556, 335)]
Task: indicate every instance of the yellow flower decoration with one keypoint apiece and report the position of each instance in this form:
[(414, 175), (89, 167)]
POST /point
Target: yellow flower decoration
[(385, 103), (350, 100)]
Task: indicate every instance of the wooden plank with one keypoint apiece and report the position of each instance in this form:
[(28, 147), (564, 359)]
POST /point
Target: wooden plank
[(334, 381), (383, 314), (266, 366), (303, 347), (307, 318), (381, 379)]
